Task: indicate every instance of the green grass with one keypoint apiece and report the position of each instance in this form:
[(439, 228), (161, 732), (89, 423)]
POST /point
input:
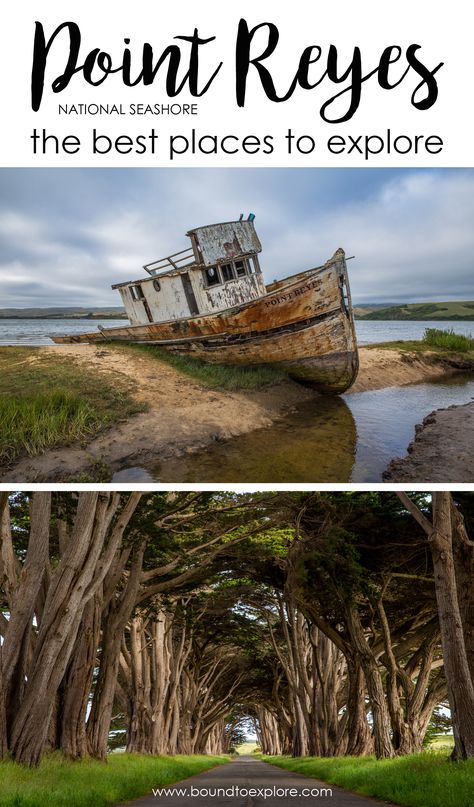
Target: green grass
[(48, 400), (442, 342), (32, 423), (428, 779), (445, 741), (448, 340), (215, 376), (58, 782), (247, 747)]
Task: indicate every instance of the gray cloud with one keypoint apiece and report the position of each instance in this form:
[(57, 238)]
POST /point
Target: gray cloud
[(67, 235)]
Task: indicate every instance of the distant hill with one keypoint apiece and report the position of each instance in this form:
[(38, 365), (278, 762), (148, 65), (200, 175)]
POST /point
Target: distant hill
[(361, 309), (459, 310), (56, 312)]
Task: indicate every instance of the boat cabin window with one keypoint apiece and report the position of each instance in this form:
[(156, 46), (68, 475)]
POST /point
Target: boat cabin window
[(227, 273), (253, 263), (137, 292), (157, 285), (212, 276)]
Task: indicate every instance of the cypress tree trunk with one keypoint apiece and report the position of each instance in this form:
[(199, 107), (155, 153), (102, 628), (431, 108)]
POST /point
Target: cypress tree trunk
[(441, 534), (76, 685), (381, 717), (114, 621), (458, 675), (359, 740)]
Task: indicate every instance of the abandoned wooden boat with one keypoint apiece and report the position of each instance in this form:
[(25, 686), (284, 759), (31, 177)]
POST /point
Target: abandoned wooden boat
[(210, 301)]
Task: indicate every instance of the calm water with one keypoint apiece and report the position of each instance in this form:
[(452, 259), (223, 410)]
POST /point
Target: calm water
[(349, 438), (388, 331), (37, 331)]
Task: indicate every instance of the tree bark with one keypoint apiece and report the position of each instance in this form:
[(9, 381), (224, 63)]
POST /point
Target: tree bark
[(380, 714), (359, 740), (24, 587), (76, 685), (85, 559), (114, 620), (458, 675)]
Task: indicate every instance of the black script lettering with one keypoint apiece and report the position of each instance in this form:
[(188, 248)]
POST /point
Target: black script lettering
[(384, 67), (243, 60), (40, 55), (192, 74), (352, 74), (428, 79), (355, 88), (98, 64)]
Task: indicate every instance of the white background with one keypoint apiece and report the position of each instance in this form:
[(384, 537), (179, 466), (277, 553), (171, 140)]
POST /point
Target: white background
[(443, 30)]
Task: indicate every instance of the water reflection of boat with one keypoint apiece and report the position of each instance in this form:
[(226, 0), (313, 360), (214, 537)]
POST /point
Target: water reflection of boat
[(315, 444), (210, 301)]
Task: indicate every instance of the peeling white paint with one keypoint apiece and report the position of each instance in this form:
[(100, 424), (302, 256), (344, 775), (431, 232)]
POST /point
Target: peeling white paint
[(162, 296)]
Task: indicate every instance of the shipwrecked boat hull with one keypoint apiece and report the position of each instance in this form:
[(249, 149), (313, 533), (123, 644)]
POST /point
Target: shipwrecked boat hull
[(303, 325)]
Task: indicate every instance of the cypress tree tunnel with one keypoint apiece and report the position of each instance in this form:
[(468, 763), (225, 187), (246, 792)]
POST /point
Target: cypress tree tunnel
[(322, 624)]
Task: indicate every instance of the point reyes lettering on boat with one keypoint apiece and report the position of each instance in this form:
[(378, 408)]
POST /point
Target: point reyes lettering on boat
[(180, 67), (283, 298)]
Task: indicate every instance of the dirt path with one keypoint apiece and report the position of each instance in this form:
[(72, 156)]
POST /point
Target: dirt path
[(183, 417), (442, 448), (248, 782)]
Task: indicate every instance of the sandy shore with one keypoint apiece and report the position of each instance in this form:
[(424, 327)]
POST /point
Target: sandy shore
[(381, 368), (183, 417)]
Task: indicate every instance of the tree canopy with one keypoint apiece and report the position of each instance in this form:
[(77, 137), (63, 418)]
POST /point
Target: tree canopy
[(177, 617)]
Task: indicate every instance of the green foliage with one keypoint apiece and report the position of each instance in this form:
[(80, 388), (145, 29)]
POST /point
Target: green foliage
[(216, 376), (274, 542), (58, 782), (428, 779), (327, 560), (448, 340)]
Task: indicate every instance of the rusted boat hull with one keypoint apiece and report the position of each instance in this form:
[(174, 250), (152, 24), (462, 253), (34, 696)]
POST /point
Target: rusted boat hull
[(303, 325)]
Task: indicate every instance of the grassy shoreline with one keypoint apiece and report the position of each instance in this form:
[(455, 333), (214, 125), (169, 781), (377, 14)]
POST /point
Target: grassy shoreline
[(443, 343), (428, 779), (58, 782), (47, 400), (214, 376)]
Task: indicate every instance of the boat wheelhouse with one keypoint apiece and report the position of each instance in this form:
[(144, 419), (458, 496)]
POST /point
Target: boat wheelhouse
[(218, 271)]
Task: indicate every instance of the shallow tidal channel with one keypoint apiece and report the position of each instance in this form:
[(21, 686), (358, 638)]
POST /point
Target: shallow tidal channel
[(349, 438)]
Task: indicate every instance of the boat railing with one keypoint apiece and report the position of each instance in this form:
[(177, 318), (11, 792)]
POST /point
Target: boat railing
[(178, 260)]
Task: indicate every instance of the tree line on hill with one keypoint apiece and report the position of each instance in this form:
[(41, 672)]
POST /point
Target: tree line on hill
[(337, 622)]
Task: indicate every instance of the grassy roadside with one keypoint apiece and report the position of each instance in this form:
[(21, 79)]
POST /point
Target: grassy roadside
[(58, 782), (427, 779), (47, 400), (214, 376)]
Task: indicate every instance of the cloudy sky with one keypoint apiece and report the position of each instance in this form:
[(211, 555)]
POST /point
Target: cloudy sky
[(67, 234)]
